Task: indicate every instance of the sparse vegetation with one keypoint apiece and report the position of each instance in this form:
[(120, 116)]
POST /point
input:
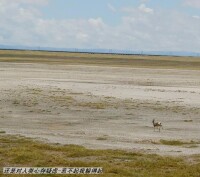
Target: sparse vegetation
[(100, 59), (188, 120), (94, 105), (20, 151), (177, 142), (192, 146), (63, 110), (16, 102), (102, 138)]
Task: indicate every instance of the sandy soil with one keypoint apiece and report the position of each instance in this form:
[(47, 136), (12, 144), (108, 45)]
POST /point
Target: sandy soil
[(102, 107)]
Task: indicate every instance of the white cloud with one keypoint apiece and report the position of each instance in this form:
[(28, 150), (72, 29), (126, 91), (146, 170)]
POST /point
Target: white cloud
[(111, 7), (98, 23), (162, 30), (82, 37), (141, 8), (192, 3), (196, 17), (141, 28), (145, 9)]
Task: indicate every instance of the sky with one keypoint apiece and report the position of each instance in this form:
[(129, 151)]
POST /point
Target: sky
[(144, 25)]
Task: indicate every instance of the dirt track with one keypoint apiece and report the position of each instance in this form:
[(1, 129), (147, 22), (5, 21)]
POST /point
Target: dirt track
[(102, 107)]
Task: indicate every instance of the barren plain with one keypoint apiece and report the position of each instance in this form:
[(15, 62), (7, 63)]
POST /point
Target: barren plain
[(102, 102)]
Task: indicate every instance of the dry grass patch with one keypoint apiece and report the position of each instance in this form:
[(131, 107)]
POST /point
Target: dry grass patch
[(100, 59), (20, 151), (102, 138), (95, 105), (177, 142), (188, 120)]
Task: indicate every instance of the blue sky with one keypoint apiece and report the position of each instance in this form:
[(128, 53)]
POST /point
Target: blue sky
[(66, 9), (147, 25)]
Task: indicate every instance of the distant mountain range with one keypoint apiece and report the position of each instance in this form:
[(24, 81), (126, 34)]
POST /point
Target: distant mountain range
[(106, 51)]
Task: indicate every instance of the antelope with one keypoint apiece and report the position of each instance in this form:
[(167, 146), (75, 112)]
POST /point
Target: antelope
[(157, 125)]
